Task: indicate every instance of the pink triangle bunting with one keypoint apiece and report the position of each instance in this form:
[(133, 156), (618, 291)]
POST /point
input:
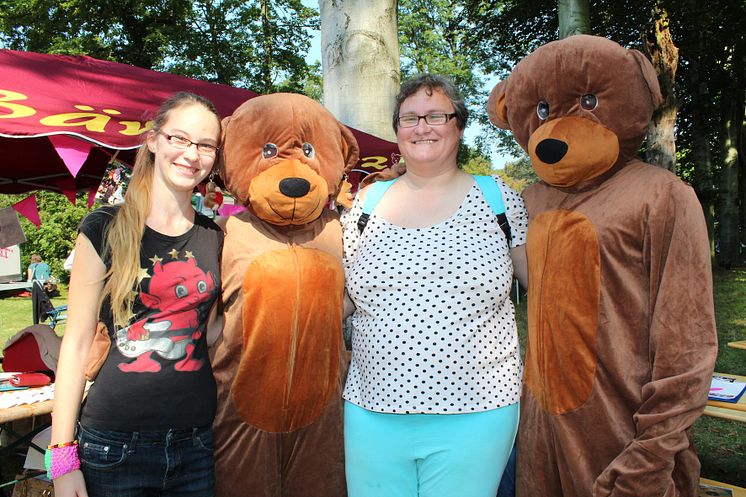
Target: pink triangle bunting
[(92, 195), (67, 186), (72, 151), (29, 209)]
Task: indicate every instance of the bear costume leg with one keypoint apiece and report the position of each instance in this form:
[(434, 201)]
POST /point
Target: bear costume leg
[(308, 462)]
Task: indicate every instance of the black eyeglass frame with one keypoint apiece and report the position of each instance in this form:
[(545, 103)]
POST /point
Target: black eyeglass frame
[(181, 144), (448, 117)]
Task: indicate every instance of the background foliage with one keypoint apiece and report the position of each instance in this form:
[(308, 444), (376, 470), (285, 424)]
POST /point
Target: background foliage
[(55, 239)]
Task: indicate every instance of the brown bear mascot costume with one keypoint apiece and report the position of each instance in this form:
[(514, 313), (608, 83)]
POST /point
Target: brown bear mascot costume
[(621, 341), (280, 362)]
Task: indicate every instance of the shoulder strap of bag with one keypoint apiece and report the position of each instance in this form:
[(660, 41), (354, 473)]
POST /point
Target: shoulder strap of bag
[(372, 197), (486, 184), (492, 194)]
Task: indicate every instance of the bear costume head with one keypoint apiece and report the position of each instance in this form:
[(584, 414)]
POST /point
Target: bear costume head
[(571, 112), (287, 172)]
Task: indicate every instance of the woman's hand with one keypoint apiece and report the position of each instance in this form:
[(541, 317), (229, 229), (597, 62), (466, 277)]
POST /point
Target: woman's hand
[(71, 484), (349, 307)]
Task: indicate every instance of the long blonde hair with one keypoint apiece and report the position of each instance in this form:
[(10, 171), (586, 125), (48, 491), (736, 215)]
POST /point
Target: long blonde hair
[(124, 236)]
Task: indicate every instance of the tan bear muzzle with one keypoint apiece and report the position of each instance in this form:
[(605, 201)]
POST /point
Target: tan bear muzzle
[(290, 192), (569, 150)]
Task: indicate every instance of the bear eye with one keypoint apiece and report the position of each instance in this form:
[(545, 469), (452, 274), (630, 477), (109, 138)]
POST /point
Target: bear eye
[(201, 286), (542, 110), (269, 150), (308, 150), (181, 291), (589, 101)]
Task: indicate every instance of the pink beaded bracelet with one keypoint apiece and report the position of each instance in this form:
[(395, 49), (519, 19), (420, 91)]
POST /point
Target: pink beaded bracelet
[(61, 459)]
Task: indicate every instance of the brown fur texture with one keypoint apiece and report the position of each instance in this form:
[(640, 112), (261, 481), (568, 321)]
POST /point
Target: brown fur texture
[(280, 362), (622, 339)]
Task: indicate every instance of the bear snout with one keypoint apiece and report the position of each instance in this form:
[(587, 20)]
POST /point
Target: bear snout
[(294, 187)]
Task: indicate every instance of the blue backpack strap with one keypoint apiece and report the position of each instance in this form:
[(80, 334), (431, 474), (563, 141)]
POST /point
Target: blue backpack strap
[(372, 197), (492, 194)]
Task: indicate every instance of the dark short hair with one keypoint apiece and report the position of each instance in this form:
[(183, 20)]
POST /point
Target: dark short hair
[(433, 82)]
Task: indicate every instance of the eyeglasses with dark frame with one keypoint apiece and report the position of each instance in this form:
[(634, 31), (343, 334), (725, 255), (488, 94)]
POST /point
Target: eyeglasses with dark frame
[(178, 141), (432, 119)]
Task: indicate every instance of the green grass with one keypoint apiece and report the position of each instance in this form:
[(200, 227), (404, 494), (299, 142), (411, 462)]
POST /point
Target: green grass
[(721, 444)]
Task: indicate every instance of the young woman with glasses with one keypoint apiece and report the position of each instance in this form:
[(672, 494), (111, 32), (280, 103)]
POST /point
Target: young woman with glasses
[(149, 270), (431, 399)]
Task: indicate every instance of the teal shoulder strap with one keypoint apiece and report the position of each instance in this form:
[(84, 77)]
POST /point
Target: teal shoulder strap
[(486, 184), (374, 195), (492, 194)]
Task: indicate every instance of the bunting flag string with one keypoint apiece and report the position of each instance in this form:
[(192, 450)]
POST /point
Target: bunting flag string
[(92, 195), (11, 232), (29, 209)]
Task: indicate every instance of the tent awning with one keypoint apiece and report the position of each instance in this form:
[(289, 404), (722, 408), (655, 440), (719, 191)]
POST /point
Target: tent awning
[(63, 118)]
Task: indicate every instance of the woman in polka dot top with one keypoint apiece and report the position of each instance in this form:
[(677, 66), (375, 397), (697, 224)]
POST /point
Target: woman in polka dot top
[(431, 399)]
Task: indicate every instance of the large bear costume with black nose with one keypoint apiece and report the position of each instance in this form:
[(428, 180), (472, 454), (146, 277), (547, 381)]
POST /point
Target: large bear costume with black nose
[(280, 362), (622, 340)]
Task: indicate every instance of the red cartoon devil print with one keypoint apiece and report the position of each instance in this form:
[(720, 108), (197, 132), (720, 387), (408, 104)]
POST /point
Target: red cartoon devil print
[(178, 290)]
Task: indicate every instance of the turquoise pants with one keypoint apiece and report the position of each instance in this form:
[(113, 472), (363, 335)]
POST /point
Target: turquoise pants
[(427, 455)]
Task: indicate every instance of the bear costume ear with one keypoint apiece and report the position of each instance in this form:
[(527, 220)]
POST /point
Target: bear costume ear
[(496, 108), (350, 149), (223, 127), (218, 166), (649, 75)]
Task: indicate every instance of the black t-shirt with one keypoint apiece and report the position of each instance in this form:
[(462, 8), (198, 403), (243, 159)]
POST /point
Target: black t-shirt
[(158, 375)]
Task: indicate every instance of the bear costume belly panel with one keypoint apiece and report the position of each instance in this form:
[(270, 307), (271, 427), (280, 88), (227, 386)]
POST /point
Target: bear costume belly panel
[(290, 359), (563, 308)]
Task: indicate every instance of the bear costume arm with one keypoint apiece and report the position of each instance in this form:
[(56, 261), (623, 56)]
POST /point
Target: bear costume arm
[(682, 347)]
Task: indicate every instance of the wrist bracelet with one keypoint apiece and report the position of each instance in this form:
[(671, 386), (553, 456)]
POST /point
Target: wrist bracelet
[(60, 459), (65, 444)]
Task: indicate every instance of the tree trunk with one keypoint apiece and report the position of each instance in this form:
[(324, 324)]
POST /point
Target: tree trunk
[(728, 208), (360, 60), (739, 65), (574, 18), (702, 174), (266, 77), (661, 138)]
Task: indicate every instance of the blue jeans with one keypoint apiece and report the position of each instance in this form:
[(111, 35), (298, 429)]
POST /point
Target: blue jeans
[(167, 463), (507, 483)]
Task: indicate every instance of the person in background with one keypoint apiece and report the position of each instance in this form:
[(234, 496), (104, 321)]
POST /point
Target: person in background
[(149, 270), (38, 270), (68, 264), (431, 398)]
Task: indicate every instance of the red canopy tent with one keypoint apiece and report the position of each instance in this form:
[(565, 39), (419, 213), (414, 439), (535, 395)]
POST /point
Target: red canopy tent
[(63, 118)]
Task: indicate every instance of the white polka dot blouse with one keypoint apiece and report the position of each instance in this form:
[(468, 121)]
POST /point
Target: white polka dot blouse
[(434, 329)]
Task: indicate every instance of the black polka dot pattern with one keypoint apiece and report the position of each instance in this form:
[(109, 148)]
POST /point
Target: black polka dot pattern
[(434, 330)]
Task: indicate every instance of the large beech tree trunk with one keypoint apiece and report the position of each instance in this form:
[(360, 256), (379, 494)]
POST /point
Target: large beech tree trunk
[(574, 18), (360, 59)]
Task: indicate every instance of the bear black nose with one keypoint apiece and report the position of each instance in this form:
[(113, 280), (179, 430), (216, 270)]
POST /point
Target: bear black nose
[(294, 187), (551, 151)]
